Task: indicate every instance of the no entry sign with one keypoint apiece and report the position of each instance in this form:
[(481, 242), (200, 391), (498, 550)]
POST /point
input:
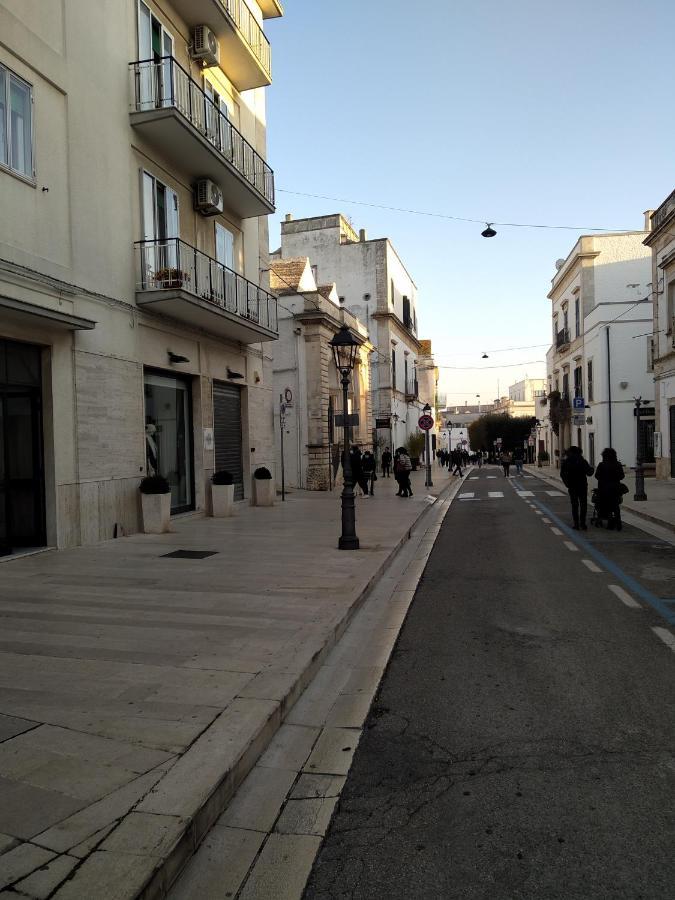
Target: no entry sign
[(426, 423)]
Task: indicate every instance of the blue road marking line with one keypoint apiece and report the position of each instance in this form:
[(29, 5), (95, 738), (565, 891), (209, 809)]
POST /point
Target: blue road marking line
[(633, 585)]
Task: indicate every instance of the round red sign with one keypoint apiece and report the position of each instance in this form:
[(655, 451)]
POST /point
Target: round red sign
[(426, 423)]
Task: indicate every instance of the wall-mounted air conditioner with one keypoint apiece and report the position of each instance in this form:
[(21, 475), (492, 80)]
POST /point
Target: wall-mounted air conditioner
[(205, 46), (208, 197)]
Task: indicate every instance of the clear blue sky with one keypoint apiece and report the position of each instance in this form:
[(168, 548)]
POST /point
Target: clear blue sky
[(504, 110)]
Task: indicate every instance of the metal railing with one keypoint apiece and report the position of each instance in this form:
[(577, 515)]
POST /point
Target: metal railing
[(562, 338), (412, 390), (251, 31), (164, 84), (172, 264)]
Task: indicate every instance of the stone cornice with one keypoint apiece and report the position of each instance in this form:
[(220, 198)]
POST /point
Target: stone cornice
[(406, 335)]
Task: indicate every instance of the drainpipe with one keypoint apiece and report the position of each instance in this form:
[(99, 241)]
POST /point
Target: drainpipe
[(609, 386)]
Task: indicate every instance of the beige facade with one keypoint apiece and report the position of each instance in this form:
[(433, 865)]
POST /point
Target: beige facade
[(661, 241), (521, 398), (130, 296), (306, 379)]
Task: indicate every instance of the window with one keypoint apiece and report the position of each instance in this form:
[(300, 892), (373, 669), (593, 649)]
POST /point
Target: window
[(566, 323), (577, 323), (393, 368), (589, 379), (671, 305), (591, 448), (16, 123), (578, 382), (405, 375), (393, 293), (566, 386), (555, 328)]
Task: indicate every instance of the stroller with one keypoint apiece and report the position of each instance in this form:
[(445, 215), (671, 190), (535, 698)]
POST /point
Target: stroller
[(606, 508)]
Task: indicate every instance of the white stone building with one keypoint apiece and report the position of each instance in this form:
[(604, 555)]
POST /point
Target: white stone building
[(374, 286), (600, 349), (521, 398), (307, 382), (134, 329), (661, 241)]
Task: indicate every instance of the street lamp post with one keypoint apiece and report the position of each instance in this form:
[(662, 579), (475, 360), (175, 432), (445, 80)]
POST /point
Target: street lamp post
[(344, 352), (448, 425), (639, 471), (426, 409)]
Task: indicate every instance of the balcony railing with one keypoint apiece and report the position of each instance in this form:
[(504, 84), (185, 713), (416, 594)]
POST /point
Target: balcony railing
[(164, 84), (412, 390), (251, 31), (663, 211), (172, 264), (562, 338)]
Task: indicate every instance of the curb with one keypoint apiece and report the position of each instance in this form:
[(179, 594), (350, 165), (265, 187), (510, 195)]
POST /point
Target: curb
[(182, 830)]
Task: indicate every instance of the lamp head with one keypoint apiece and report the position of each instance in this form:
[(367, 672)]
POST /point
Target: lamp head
[(344, 347), (489, 231)]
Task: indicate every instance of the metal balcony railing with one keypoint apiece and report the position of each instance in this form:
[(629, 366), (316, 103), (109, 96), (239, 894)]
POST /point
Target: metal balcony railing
[(251, 31), (562, 338), (172, 264), (412, 390), (164, 83)]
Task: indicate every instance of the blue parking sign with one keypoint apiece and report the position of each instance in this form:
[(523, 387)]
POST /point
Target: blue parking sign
[(578, 403)]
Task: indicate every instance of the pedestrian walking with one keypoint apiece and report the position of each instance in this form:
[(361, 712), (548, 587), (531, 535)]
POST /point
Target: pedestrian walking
[(610, 474), (368, 466), (357, 470), (574, 472), (506, 462), (386, 463), (519, 459), (479, 459), (402, 470), (456, 462)]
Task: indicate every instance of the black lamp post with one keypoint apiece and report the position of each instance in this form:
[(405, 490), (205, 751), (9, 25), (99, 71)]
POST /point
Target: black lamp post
[(426, 409), (344, 351), (639, 471)]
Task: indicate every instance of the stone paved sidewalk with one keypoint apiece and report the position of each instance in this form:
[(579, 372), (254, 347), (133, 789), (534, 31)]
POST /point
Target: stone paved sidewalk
[(658, 508), (136, 690)]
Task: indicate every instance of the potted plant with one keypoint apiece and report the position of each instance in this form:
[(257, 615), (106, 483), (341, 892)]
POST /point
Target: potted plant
[(171, 277), (222, 495), (263, 487), (542, 458), (415, 447), (155, 504)]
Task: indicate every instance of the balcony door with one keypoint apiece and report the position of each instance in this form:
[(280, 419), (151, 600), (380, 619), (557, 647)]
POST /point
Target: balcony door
[(160, 253), (227, 280), (155, 50)]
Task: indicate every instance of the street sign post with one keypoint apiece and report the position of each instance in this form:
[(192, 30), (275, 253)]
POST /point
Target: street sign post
[(426, 423), (578, 421)]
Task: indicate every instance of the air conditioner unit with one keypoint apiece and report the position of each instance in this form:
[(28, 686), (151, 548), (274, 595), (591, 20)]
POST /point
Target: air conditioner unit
[(205, 45), (208, 197)]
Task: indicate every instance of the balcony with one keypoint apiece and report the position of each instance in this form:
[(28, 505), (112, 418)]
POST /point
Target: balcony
[(411, 391), (562, 338), (180, 281), (174, 114), (244, 50), (662, 213)]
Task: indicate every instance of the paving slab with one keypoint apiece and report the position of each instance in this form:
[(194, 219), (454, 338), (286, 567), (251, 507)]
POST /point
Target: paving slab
[(47, 878), (21, 861), (307, 816), (220, 865), (333, 752), (258, 801), (282, 870)]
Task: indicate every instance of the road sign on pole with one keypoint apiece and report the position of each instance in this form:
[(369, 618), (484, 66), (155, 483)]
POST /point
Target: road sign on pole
[(578, 403), (426, 423)]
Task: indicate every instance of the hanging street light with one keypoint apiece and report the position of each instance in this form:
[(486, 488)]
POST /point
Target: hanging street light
[(344, 348), (489, 231)]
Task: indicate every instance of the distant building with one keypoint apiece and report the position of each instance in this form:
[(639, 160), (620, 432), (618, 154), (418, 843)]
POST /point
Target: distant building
[(521, 399), (661, 241), (600, 354), (306, 380), (375, 286)]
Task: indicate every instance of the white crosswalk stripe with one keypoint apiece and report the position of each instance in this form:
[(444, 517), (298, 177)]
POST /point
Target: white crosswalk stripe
[(554, 494), (495, 494), (468, 496)]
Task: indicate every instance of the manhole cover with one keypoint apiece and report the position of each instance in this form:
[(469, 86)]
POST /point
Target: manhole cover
[(189, 554)]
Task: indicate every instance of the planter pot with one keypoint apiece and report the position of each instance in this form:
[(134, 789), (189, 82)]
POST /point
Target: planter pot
[(222, 500), (415, 461), (264, 492), (156, 513)]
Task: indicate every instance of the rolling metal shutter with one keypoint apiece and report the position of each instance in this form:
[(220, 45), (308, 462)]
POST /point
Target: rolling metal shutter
[(227, 432)]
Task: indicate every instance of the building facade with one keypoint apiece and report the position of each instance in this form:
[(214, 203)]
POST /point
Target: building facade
[(600, 352), (661, 241), (307, 386), (134, 327), (521, 398), (374, 286)]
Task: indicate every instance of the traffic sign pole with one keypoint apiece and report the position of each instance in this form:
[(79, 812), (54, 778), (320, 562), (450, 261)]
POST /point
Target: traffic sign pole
[(426, 422)]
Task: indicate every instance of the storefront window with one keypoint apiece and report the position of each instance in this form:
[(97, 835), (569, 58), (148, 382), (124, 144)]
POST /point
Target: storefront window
[(168, 430)]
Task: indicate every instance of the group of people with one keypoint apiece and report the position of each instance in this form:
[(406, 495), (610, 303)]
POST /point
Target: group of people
[(364, 470), (574, 472), (453, 459), (517, 458)]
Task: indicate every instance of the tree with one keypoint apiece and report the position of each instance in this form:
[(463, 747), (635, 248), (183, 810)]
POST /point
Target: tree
[(559, 411)]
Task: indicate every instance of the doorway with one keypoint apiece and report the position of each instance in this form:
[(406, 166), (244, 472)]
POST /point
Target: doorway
[(228, 433), (22, 501), (168, 436)]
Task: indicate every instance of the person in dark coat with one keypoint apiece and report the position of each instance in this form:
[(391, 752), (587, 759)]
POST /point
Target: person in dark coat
[(386, 463), (574, 472), (368, 466), (357, 470), (456, 462), (610, 474)]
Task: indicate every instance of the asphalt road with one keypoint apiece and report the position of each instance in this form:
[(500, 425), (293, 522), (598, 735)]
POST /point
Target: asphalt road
[(521, 744)]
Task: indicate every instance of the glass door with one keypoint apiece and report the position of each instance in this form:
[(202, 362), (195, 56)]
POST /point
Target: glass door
[(168, 436), (155, 52), (161, 263)]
